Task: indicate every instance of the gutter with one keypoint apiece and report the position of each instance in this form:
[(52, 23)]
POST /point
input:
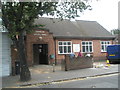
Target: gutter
[(82, 37), (55, 50), (66, 80)]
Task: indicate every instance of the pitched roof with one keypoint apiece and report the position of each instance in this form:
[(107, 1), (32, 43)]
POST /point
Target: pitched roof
[(74, 29)]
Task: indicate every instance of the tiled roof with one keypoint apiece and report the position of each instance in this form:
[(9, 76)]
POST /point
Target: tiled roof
[(74, 29)]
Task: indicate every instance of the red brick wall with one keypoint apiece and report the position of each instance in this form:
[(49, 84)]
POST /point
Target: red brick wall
[(96, 49), (97, 54), (34, 38), (47, 38), (59, 57)]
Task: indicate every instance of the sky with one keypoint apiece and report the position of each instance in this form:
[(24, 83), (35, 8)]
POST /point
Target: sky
[(105, 12)]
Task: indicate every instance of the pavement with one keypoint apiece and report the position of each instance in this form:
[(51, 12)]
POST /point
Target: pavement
[(42, 74)]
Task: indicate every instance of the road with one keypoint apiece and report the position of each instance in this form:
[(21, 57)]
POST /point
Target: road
[(106, 81)]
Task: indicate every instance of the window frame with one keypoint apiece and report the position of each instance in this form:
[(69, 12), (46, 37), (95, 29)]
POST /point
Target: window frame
[(63, 47), (104, 45), (88, 46)]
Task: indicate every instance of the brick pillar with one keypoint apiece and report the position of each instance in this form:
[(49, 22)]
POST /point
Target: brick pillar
[(67, 62)]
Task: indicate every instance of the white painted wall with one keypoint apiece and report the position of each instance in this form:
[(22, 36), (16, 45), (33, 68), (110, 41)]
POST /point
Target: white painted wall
[(5, 51), (0, 53)]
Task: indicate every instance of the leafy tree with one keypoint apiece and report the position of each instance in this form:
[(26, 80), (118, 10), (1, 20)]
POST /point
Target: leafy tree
[(18, 18), (115, 31)]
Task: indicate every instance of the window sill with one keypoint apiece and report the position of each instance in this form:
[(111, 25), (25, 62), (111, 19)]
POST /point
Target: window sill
[(64, 53), (104, 52), (86, 52)]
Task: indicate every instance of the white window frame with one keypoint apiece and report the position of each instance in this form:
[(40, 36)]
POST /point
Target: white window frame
[(63, 47), (104, 45), (88, 46)]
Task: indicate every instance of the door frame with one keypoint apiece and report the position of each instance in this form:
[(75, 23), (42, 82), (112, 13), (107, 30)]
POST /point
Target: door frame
[(33, 51)]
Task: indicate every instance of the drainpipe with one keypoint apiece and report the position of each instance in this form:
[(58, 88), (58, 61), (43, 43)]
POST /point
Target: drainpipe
[(55, 50)]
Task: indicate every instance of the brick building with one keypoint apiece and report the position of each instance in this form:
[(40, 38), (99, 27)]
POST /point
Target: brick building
[(58, 38)]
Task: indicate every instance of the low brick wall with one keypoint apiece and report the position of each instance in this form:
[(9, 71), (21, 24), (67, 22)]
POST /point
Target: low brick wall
[(76, 63)]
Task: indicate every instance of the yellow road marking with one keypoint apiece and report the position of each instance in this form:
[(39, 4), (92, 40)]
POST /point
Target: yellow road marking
[(64, 81)]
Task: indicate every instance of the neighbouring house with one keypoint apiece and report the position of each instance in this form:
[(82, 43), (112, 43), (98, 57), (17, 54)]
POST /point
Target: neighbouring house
[(5, 59), (57, 38), (5, 53), (117, 39)]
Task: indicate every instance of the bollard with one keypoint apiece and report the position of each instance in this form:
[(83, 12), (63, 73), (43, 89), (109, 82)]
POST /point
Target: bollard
[(108, 63), (53, 67)]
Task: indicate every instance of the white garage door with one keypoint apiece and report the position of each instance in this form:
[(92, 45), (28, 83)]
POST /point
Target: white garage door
[(5, 59)]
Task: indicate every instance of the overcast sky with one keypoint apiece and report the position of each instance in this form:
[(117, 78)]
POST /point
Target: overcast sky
[(105, 12)]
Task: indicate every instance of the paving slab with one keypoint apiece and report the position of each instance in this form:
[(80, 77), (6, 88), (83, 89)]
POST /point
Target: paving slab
[(43, 74)]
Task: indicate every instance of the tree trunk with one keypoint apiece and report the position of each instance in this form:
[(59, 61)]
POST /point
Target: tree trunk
[(24, 70)]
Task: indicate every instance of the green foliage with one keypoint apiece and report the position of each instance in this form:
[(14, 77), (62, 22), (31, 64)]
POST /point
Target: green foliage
[(19, 16), (115, 31), (71, 9)]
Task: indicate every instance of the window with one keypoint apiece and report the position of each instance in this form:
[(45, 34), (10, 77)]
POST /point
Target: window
[(64, 47), (87, 46), (104, 45)]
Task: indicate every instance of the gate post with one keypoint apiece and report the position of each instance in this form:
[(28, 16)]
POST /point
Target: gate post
[(67, 62)]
